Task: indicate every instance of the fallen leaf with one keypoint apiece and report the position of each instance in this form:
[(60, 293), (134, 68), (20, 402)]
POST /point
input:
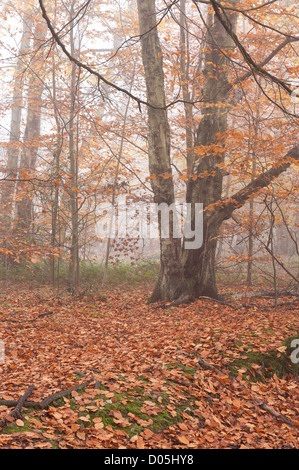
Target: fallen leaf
[(19, 422)]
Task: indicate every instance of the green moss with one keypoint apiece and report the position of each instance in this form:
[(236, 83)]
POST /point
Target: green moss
[(267, 330), (132, 401), (178, 365), (12, 427), (141, 378), (272, 362), (156, 416)]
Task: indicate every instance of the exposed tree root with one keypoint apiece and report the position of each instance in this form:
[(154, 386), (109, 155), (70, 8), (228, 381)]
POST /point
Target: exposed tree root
[(186, 299)]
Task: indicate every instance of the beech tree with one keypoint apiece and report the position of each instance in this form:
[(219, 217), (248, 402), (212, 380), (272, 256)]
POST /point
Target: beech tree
[(192, 271), (29, 153)]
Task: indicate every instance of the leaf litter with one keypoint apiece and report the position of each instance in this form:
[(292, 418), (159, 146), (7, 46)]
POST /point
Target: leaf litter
[(114, 372)]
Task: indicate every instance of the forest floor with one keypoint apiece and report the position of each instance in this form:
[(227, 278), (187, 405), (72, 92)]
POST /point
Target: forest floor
[(111, 372)]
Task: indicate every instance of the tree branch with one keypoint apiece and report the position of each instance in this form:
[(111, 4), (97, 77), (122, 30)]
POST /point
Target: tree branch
[(76, 61), (254, 67), (16, 413), (267, 59), (238, 199), (99, 76)]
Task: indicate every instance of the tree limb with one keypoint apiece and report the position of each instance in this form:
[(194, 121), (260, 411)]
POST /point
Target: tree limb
[(40, 404), (254, 67), (238, 199), (76, 61)]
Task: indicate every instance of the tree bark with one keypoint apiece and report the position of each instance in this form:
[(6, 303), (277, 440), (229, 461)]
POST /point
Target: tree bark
[(73, 159), (8, 189), (192, 271), (170, 284), (207, 182), (184, 69), (27, 166)]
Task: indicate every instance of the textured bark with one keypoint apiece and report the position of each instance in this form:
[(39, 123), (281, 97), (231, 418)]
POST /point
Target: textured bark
[(199, 264), (27, 166), (73, 162), (171, 280), (8, 189), (184, 66), (209, 151)]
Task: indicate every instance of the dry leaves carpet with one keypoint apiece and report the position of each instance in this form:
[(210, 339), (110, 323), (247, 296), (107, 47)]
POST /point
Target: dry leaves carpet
[(147, 387)]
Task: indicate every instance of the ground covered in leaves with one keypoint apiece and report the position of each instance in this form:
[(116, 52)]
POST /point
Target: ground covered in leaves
[(194, 376)]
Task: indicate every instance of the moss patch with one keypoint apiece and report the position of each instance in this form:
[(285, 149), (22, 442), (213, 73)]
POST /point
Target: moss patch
[(136, 409), (260, 366), (177, 365)]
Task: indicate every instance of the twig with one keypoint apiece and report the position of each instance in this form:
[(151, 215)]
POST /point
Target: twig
[(261, 404), (16, 413), (26, 320), (271, 410)]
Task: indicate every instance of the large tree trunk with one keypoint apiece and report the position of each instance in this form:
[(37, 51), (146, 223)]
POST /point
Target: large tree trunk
[(198, 276), (199, 264), (171, 280), (206, 187)]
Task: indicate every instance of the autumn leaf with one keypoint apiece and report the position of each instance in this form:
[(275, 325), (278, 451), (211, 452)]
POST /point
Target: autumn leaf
[(19, 422), (183, 440)]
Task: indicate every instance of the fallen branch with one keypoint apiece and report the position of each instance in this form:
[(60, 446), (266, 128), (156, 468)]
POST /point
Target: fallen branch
[(259, 402), (47, 401), (30, 320), (16, 413), (271, 410), (45, 314)]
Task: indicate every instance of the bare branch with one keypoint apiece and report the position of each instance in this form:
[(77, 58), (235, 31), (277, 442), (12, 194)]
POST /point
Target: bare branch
[(255, 68), (238, 199)]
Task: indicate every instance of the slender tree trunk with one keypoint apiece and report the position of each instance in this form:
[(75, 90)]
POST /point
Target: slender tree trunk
[(250, 244), (8, 189), (24, 203), (184, 66), (119, 157), (56, 183), (251, 229), (170, 283), (73, 158)]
